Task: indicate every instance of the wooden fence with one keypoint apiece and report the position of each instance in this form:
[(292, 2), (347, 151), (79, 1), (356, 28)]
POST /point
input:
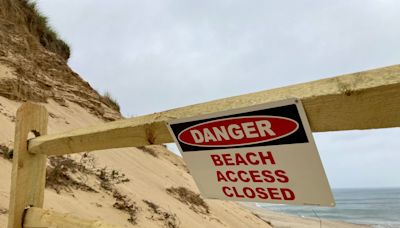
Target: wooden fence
[(364, 100)]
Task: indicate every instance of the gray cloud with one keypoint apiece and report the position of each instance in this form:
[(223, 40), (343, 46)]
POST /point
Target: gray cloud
[(157, 55)]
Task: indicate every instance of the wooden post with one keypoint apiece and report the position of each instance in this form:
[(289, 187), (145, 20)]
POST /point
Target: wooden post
[(28, 175)]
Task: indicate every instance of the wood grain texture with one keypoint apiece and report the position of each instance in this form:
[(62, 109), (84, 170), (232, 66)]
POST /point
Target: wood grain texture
[(29, 170), (364, 100), (41, 218)]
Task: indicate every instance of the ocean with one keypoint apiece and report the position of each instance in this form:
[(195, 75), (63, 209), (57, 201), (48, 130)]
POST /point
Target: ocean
[(379, 207)]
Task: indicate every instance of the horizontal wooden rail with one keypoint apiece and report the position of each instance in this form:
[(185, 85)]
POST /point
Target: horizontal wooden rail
[(41, 218), (365, 100)]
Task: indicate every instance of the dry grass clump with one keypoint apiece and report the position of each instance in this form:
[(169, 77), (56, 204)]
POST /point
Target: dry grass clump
[(149, 149), (169, 219), (6, 151), (108, 178), (61, 170), (123, 203), (64, 173), (187, 196), (110, 101)]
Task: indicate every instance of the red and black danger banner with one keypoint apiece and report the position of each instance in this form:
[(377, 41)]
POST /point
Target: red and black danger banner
[(265, 153)]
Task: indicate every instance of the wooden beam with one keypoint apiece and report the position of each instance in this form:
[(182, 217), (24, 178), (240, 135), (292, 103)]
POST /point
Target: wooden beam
[(40, 218), (365, 100), (28, 170)]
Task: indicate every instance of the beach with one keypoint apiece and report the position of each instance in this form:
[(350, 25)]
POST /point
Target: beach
[(283, 220)]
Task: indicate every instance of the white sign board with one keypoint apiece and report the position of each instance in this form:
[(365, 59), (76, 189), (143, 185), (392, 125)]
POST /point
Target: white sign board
[(265, 153)]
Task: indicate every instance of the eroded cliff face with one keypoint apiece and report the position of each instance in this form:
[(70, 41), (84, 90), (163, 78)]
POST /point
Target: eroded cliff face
[(33, 63)]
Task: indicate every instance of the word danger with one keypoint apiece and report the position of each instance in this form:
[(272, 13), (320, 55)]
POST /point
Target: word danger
[(251, 174), (238, 131), (233, 131)]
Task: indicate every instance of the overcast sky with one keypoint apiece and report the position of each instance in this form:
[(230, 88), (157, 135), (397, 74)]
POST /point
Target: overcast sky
[(157, 55)]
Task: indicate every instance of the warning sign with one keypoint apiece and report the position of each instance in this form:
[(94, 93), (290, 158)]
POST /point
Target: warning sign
[(264, 153)]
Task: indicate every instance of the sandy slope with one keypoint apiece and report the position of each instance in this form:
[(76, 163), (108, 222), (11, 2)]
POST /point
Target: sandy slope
[(149, 176)]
